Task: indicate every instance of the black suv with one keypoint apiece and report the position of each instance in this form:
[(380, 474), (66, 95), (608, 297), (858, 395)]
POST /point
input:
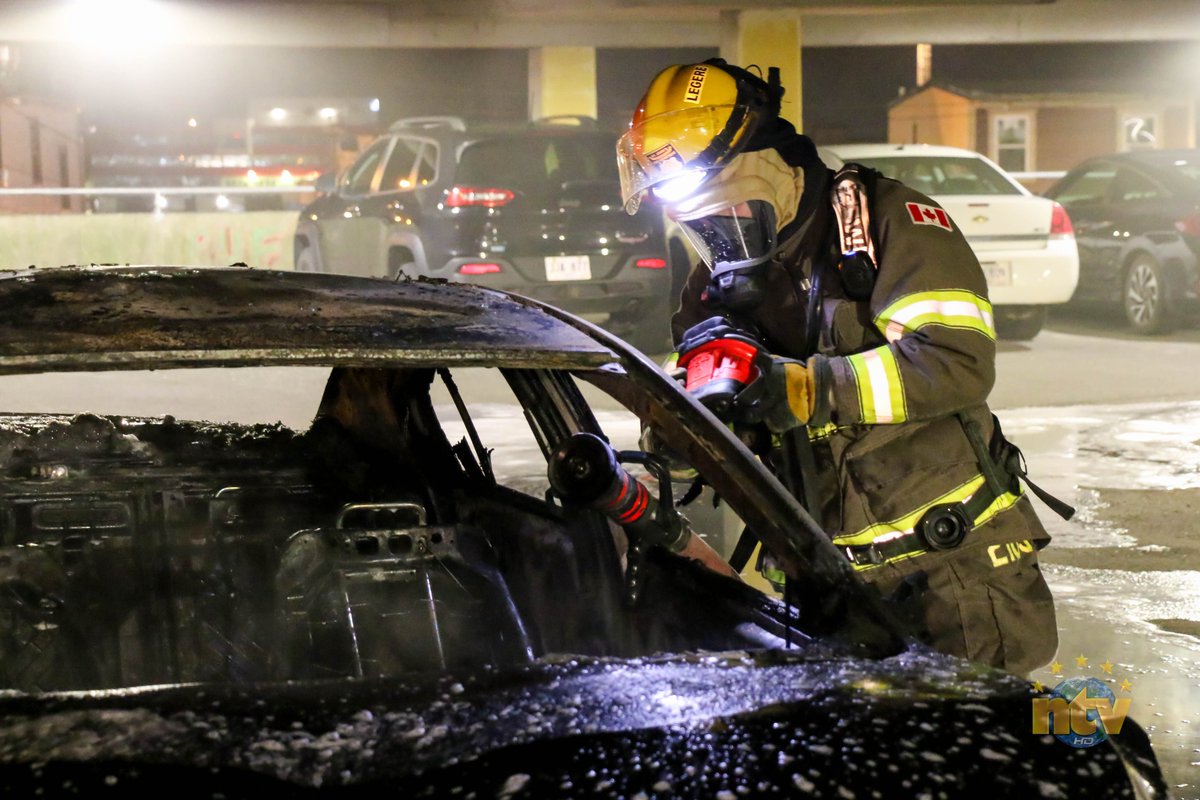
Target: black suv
[(533, 208)]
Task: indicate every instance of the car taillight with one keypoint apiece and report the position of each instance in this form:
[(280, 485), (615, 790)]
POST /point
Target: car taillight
[(483, 268), (651, 263), (460, 196), (1060, 222), (1189, 225)]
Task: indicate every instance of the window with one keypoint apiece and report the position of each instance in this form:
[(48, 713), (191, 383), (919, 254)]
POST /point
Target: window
[(398, 174), (1181, 164), (510, 443), (1134, 187), (1139, 132), (362, 173), (943, 175), (537, 164), (427, 164), (1090, 188), (1011, 141)]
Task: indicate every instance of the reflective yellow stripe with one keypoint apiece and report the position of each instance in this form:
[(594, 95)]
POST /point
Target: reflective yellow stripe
[(906, 524), (880, 392), (950, 308)]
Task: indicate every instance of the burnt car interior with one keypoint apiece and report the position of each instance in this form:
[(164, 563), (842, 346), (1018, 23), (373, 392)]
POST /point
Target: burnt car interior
[(137, 551)]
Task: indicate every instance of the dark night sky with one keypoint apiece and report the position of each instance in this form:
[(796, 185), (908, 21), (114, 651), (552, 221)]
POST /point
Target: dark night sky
[(846, 90)]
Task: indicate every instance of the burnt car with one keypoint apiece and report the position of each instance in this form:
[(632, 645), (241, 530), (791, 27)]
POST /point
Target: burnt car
[(533, 208), (1137, 225), (376, 589)]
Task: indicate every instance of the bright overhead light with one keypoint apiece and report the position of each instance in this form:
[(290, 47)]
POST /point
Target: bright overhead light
[(328, 114), (119, 26), (278, 114)]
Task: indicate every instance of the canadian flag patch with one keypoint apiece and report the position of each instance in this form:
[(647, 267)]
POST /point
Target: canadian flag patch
[(928, 215)]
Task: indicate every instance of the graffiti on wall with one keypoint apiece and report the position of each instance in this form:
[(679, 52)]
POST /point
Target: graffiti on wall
[(261, 239)]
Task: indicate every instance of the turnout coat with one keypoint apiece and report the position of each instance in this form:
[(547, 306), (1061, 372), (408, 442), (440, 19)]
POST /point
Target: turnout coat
[(911, 366)]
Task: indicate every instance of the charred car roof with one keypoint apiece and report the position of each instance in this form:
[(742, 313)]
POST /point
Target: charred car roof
[(94, 318)]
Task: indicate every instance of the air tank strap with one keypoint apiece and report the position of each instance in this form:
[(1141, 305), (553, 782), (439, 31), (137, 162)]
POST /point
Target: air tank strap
[(1002, 465)]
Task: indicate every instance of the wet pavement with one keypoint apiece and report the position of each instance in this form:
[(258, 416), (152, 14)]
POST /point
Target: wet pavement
[(1107, 614), (1110, 422)]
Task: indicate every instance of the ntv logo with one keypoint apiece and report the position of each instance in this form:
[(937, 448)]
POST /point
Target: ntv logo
[(1080, 712)]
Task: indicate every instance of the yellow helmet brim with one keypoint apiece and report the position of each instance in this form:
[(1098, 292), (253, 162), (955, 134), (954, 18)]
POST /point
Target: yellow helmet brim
[(666, 146)]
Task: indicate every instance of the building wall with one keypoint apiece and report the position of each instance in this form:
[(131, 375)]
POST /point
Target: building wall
[(1060, 133), (933, 116), (1066, 135), (57, 161), (1177, 127)]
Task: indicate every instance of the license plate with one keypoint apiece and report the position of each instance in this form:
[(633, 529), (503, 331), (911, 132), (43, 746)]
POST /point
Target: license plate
[(998, 273), (568, 268)]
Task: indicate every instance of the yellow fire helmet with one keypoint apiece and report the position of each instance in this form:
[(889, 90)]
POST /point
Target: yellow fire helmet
[(692, 121)]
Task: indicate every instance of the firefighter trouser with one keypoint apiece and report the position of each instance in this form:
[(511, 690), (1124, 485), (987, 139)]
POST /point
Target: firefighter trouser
[(989, 604)]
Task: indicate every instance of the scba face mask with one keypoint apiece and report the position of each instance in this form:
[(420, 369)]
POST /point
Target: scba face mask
[(737, 243), (738, 236)]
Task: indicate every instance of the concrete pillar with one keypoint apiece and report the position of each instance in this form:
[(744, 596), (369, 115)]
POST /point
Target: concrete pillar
[(768, 39), (924, 64), (562, 81)]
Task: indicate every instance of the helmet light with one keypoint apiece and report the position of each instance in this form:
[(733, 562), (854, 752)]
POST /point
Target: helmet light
[(680, 186)]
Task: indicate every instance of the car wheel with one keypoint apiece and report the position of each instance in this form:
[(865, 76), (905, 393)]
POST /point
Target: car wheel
[(1144, 296), (306, 259), (1019, 323)]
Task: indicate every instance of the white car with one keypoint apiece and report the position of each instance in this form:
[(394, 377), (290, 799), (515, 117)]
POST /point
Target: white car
[(1025, 243)]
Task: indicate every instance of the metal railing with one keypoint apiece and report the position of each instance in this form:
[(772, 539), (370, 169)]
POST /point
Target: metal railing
[(99, 191), (1049, 175), (153, 199)]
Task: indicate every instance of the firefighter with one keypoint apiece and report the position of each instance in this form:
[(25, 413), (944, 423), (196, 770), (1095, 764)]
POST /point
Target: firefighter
[(882, 345)]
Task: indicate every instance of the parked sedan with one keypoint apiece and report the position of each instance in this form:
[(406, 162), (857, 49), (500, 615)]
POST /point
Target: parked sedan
[(1137, 221), (1024, 243), (394, 594)]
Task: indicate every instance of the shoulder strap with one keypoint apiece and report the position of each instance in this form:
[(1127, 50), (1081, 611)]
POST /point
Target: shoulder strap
[(853, 185)]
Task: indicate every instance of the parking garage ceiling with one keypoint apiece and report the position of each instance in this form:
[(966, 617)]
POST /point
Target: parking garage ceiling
[(628, 23)]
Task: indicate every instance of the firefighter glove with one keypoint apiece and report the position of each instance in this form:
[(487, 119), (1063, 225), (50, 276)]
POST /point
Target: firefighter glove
[(789, 393)]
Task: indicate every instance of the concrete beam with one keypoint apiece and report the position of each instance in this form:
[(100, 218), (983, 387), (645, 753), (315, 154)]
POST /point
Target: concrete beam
[(1063, 21), (604, 23), (367, 25)]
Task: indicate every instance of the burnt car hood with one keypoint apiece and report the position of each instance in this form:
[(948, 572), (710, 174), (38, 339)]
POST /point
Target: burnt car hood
[(771, 723)]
